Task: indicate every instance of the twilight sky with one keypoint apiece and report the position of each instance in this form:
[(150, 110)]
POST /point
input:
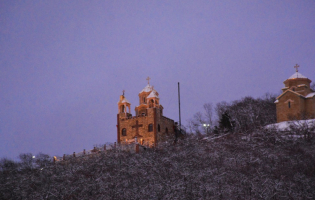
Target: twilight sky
[(63, 64)]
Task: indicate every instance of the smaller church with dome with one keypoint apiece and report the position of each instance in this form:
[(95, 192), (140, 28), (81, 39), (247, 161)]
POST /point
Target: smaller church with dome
[(297, 100), (149, 125)]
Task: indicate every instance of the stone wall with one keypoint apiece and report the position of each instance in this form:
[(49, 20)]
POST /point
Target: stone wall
[(148, 138), (297, 104), (310, 107)]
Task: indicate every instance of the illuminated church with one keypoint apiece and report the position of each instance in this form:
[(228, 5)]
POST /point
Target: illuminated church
[(149, 125), (297, 100)]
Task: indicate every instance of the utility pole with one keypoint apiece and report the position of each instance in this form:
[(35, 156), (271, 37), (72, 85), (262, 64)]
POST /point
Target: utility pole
[(180, 121)]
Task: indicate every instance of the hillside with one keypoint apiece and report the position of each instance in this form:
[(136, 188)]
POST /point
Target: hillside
[(265, 167), (288, 125)]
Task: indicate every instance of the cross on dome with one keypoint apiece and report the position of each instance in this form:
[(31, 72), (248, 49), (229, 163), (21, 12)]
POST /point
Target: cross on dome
[(296, 67), (123, 92), (148, 79)]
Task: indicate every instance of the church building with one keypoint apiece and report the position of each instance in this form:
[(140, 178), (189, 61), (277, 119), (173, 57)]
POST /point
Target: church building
[(297, 100), (149, 125)]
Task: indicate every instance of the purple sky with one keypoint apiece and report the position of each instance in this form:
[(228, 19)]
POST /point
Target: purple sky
[(63, 64)]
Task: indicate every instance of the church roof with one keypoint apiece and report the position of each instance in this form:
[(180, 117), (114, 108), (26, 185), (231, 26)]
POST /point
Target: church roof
[(147, 88), (310, 95), (297, 75), (287, 92), (124, 100), (152, 95)]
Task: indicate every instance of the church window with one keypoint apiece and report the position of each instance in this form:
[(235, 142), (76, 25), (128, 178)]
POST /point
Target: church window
[(122, 108), (150, 129), (166, 130), (151, 103), (289, 104), (159, 128), (143, 99), (124, 132)]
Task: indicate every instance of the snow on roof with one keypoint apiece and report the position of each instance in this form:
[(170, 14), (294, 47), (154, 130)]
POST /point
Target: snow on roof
[(310, 95), (297, 75), (124, 100), (301, 85), (147, 88), (152, 95), (276, 101)]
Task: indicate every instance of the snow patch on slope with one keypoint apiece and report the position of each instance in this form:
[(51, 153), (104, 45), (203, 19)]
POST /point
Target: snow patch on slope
[(285, 126)]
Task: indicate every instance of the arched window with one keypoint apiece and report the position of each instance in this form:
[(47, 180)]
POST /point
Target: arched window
[(122, 108), (143, 99), (151, 103), (150, 129), (293, 88), (159, 128), (124, 132), (289, 104), (166, 130)]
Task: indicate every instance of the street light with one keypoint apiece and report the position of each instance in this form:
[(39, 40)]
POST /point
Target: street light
[(206, 126)]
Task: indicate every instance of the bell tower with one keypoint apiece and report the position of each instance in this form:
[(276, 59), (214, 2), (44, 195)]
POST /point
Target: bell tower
[(147, 98), (153, 99), (123, 104)]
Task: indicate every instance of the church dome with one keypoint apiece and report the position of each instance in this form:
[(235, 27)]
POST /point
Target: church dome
[(153, 94), (297, 75), (148, 88)]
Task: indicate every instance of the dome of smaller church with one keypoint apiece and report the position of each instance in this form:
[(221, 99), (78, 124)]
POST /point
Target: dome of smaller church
[(297, 75)]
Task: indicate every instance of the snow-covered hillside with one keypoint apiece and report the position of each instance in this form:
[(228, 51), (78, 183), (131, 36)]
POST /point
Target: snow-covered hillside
[(286, 126)]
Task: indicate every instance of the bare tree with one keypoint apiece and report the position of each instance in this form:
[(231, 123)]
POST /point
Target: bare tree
[(7, 164), (208, 109), (42, 160), (249, 114), (198, 120), (27, 161), (303, 126), (221, 108)]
